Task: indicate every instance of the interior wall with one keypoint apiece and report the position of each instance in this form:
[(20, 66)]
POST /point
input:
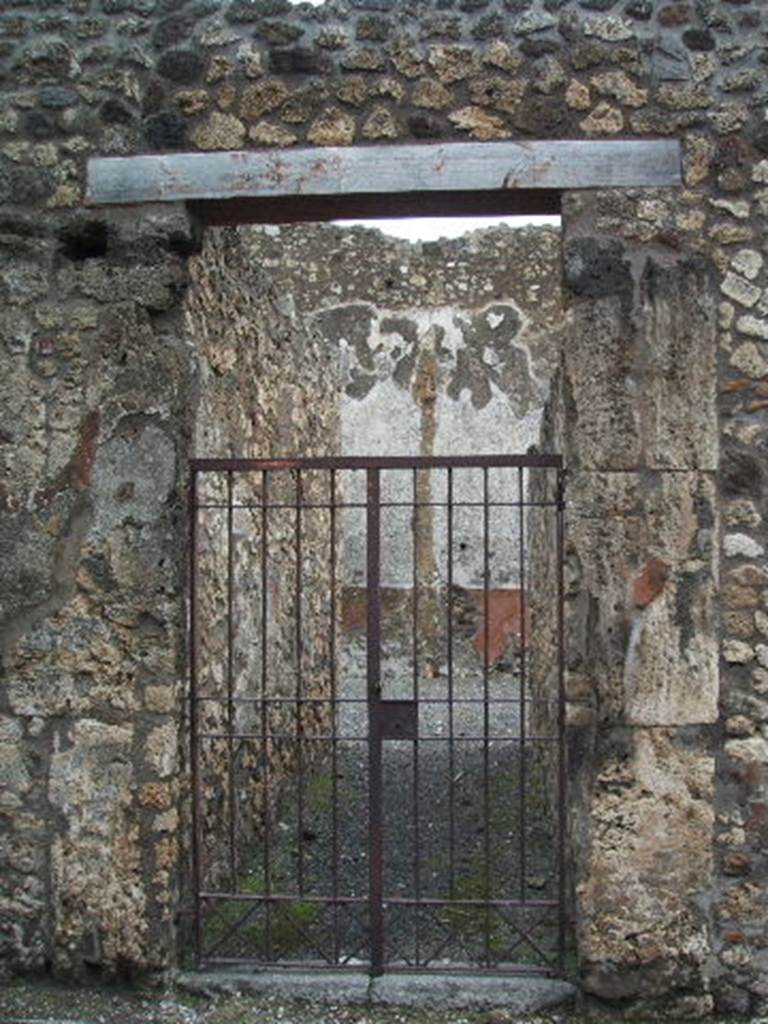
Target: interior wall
[(443, 347), (266, 387)]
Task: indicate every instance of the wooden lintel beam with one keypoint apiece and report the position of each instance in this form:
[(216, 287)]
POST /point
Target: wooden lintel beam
[(306, 209), (384, 170)]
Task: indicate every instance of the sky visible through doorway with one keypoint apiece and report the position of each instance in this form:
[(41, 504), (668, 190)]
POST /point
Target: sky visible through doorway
[(429, 229)]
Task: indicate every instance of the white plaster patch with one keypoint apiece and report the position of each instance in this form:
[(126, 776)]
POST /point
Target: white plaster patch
[(395, 416)]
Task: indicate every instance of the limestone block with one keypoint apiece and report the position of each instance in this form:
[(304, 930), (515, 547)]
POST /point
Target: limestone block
[(740, 290), (162, 750), (14, 776), (753, 326), (643, 610), (98, 898), (678, 396), (640, 363), (133, 477), (747, 262), (649, 859), (602, 388), (741, 545), (90, 777)]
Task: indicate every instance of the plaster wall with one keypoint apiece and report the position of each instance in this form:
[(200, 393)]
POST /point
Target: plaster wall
[(443, 348)]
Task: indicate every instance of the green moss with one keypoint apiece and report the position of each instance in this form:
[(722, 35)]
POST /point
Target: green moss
[(289, 921), (318, 793)]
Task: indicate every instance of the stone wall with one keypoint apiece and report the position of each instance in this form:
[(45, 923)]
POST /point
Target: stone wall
[(641, 574), (266, 388), (96, 373), (95, 384)]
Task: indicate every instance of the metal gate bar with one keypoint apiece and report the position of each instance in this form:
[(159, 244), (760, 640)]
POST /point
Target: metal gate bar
[(375, 823), (259, 530)]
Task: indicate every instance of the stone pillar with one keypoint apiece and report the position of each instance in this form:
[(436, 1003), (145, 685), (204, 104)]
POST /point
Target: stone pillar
[(95, 380), (637, 424)]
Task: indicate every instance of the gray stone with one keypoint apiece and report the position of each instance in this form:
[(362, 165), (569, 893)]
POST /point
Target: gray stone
[(740, 290), (533, 21), (609, 28), (133, 478), (748, 262), (438, 992), (753, 326), (326, 986), (670, 61), (736, 652), (57, 97)]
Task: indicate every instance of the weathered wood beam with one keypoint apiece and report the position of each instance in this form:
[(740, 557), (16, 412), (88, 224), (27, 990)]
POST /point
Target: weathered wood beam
[(394, 169)]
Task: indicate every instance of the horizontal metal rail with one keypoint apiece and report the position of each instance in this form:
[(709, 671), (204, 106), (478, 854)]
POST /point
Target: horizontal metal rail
[(381, 462)]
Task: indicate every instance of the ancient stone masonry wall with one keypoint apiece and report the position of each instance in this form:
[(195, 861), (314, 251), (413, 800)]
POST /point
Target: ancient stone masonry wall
[(95, 383), (267, 388), (641, 573)]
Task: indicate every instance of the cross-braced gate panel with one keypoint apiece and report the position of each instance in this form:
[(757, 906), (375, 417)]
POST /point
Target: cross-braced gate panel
[(377, 712)]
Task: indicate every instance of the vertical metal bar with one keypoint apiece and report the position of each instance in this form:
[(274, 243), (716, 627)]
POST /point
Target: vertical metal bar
[(562, 767), (265, 740), (375, 823), (231, 793), (522, 795), (451, 745), (194, 726), (415, 782), (299, 697), (334, 729), (486, 721)]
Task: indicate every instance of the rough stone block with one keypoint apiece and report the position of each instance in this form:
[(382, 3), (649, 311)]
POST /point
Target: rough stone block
[(641, 928), (640, 361), (647, 638)]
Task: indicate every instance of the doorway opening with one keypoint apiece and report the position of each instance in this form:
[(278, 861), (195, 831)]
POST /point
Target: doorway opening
[(377, 761)]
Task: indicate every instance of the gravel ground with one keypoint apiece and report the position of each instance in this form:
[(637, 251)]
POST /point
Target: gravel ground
[(43, 1002)]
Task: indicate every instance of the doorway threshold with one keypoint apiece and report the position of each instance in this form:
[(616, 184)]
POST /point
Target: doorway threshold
[(517, 993)]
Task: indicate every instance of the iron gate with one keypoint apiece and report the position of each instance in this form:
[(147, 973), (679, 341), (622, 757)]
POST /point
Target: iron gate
[(377, 712)]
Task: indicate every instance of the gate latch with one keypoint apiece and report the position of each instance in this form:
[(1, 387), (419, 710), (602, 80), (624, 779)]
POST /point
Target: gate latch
[(398, 719)]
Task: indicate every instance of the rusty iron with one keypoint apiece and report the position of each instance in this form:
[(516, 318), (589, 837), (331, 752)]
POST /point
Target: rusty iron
[(243, 914)]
